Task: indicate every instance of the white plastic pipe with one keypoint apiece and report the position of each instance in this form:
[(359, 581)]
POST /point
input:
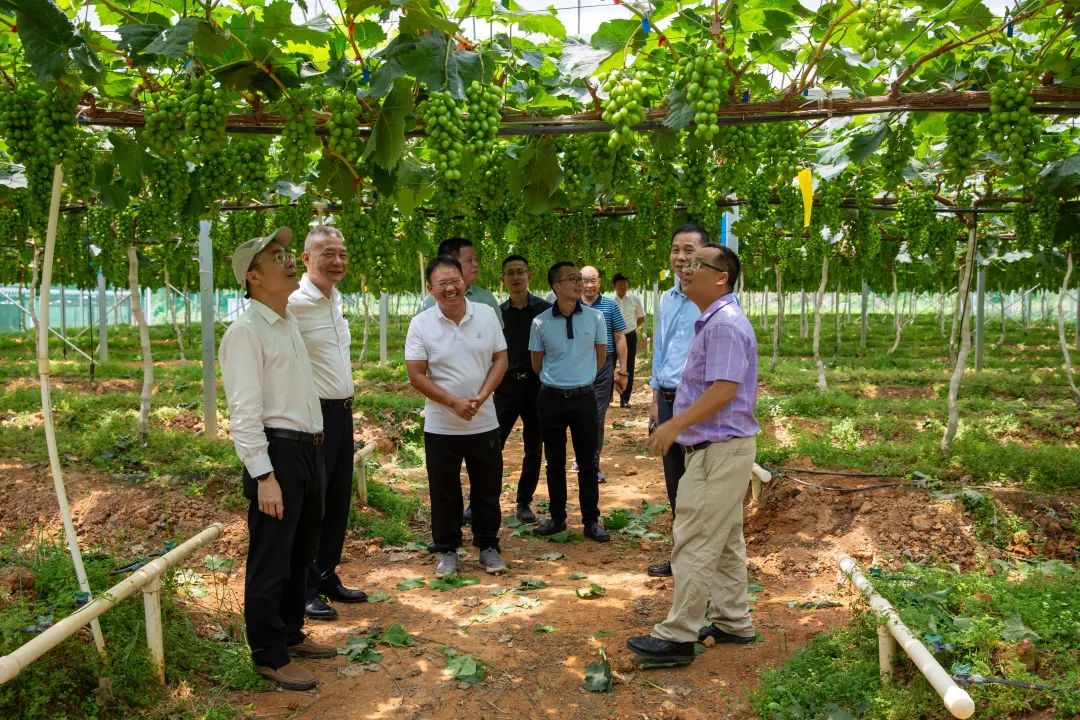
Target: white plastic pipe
[(46, 398), (758, 475), (361, 474), (11, 665), (956, 700), (155, 641), (209, 312)]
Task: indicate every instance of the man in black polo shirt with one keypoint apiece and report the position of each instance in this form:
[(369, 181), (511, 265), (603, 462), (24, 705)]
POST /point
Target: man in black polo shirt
[(516, 395)]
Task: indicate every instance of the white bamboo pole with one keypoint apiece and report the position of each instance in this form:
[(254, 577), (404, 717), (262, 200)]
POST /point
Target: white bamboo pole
[(1061, 328), (46, 400), (361, 474), (956, 700), (779, 317), (155, 641), (965, 342), (863, 324), (12, 664), (384, 324), (103, 318), (367, 318), (171, 301), (897, 325), (209, 313), (819, 299), (142, 426), (980, 316)]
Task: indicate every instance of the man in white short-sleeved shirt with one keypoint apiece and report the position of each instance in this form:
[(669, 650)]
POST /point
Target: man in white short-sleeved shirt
[(455, 352)]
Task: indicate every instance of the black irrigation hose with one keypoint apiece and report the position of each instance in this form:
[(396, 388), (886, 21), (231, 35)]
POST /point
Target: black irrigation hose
[(982, 680), (779, 472), (814, 471)]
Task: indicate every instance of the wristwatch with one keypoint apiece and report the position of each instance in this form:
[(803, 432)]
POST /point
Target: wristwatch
[(260, 478)]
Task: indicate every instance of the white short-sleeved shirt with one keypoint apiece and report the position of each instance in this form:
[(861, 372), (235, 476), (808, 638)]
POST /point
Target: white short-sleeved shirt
[(459, 357), (326, 334)]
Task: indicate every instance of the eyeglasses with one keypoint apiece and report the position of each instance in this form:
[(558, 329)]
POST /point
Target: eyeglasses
[(695, 265), (591, 281), (443, 284), (576, 279), (280, 258)]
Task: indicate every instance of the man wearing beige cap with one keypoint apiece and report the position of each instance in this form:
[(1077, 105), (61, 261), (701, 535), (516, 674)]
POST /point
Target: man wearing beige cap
[(276, 424)]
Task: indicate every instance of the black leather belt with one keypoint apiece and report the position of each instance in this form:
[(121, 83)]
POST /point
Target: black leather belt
[(519, 374), (690, 449), (344, 404), (569, 392), (668, 394), (295, 435)]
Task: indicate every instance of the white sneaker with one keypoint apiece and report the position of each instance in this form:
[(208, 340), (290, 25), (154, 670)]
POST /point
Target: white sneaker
[(490, 560), (448, 564)]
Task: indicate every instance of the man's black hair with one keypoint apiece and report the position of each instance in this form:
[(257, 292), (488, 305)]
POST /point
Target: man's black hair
[(441, 261), (702, 233), (451, 247), (729, 261), (553, 273), (619, 277), (514, 258)]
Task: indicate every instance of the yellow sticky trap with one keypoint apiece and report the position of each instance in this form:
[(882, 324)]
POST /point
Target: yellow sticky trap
[(806, 184)]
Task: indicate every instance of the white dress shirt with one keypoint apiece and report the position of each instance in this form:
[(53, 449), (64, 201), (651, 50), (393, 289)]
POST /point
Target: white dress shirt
[(631, 308), (459, 357), (326, 334), (268, 382)]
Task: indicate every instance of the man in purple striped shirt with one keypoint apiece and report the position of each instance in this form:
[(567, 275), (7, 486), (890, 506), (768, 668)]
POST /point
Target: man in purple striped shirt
[(714, 423)]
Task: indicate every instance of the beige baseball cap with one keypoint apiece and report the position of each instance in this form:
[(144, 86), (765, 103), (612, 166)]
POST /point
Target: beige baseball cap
[(246, 251)]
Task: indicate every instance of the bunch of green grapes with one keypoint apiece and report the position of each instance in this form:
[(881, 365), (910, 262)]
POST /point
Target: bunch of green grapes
[(961, 145), (864, 234), (55, 126), (698, 184), (915, 215), (12, 224), (624, 108), (343, 126), (249, 161), (217, 177), (781, 141), (878, 25), (297, 136), (1047, 208), (1024, 228), (168, 185), (296, 217), (702, 74), (484, 105), (79, 165), (243, 225), (164, 128), (445, 132), (18, 117), (899, 147), (789, 212), (577, 166), (1013, 131), (739, 148), (206, 115), (827, 212)]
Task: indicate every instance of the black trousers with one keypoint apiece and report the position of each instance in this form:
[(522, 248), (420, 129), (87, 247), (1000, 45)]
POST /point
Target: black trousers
[(631, 356), (280, 551), (675, 460), (578, 413), (338, 458), (516, 397), (482, 455), (602, 385)]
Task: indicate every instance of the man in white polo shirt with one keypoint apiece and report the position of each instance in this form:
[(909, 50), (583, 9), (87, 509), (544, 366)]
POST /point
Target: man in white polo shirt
[(317, 305), (455, 352)]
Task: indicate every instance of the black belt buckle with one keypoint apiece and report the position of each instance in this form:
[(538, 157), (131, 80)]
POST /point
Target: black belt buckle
[(516, 375), (691, 449), (344, 404), (319, 438)]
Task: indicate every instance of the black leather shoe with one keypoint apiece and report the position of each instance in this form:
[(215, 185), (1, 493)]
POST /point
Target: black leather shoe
[(525, 514), (654, 649), (466, 517), (548, 527), (660, 569), (720, 636), (340, 593), (318, 610), (597, 532)]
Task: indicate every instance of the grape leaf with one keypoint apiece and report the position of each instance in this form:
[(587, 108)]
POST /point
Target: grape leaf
[(395, 636), (387, 140), (51, 42), (598, 677), (173, 42), (592, 591), (358, 649), (465, 668), (411, 583), (580, 59), (379, 596), (453, 582)]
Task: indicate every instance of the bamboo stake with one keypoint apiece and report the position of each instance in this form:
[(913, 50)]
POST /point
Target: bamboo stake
[(1061, 328), (837, 319), (1001, 304), (897, 325), (367, 318), (965, 341), (779, 316), (172, 315), (821, 384), (143, 424), (46, 400)]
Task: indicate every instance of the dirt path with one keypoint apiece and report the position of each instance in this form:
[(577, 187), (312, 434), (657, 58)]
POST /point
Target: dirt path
[(536, 644)]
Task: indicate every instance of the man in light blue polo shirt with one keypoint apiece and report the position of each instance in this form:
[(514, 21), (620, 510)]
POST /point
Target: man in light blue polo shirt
[(568, 344)]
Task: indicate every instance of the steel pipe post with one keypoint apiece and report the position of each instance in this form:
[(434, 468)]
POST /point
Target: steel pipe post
[(206, 300)]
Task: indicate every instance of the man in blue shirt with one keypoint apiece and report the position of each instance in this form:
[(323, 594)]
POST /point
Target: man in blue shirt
[(568, 344), (609, 374), (671, 344)]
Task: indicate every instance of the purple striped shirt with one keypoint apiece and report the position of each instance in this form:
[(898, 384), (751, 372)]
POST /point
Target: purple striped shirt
[(724, 348)]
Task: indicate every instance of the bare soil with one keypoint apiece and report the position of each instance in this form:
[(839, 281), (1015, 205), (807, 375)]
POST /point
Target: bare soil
[(536, 652)]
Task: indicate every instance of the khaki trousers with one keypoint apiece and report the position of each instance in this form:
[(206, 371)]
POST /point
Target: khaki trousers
[(709, 556)]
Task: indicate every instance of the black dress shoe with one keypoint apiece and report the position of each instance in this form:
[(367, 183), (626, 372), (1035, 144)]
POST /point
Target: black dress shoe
[(340, 593), (662, 651), (525, 514), (318, 610), (466, 517), (549, 527), (597, 532), (660, 569), (720, 636)]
